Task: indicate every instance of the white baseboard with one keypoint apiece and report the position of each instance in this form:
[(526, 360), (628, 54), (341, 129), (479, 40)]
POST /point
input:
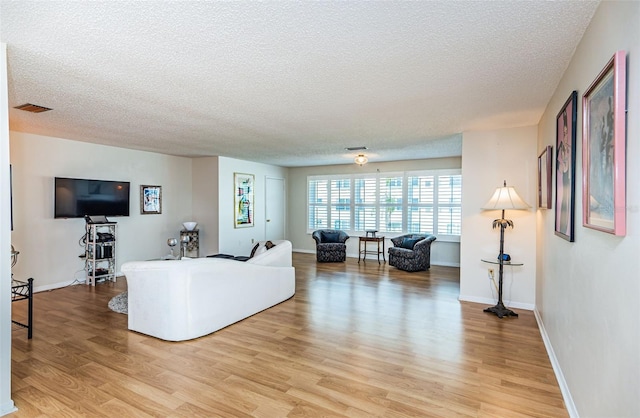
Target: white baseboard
[(313, 252), (296, 250), (433, 263), (564, 388), (7, 408), (491, 301), (54, 286), (444, 264), (59, 285)]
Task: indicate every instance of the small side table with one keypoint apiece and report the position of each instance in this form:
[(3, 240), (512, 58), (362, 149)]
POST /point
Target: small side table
[(362, 248), (504, 263), (500, 310)]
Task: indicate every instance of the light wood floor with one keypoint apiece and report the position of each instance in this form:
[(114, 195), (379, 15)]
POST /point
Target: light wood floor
[(357, 340)]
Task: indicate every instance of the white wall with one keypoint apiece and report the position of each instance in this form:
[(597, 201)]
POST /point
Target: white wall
[(588, 290), (49, 248), (442, 253), (205, 203), (488, 159), (6, 404), (239, 241)]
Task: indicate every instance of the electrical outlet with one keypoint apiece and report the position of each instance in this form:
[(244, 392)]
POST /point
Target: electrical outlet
[(490, 274)]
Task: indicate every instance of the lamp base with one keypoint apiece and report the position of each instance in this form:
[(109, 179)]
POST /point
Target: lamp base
[(501, 310)]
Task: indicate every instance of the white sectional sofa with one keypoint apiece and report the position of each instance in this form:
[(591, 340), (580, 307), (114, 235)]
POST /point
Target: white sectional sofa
[(178, 300)]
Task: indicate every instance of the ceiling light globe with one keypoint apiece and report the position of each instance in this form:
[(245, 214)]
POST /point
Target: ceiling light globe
[(361, 159)]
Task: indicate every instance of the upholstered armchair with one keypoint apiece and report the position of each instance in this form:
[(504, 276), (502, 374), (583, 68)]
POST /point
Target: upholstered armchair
[(330, 245), (411, 252)]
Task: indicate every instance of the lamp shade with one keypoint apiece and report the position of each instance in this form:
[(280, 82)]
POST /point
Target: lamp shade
[(505, 198)]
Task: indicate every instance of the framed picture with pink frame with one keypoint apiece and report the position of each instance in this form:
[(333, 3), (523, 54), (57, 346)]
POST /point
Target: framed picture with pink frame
[(603, 149)]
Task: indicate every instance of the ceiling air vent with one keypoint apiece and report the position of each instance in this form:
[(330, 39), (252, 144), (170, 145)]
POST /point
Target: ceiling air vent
[(28, 107), (356, 148)]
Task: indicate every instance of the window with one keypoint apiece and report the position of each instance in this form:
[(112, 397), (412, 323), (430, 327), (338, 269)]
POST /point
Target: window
[(390, 204), (340, 195), (420, 199), (318, 204), (449, 205), (365, 209), (411, 202)]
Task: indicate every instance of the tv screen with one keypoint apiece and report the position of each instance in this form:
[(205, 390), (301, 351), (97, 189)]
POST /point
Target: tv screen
[(76, 198)]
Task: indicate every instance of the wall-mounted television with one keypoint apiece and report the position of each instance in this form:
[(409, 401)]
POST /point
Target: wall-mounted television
[(77, 198)]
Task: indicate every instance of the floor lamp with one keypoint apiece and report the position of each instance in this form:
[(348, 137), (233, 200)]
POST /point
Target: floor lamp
[(503, 198)]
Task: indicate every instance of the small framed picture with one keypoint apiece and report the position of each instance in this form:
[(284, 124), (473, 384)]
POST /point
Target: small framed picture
[(603, 149), (544, 178), (150, 200)]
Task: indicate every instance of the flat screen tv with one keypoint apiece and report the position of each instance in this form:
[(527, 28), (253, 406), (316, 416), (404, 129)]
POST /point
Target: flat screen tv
[(77, 198)]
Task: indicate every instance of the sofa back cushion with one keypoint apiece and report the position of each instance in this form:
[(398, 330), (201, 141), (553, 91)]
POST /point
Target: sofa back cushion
[(410, 242), (329, 237)]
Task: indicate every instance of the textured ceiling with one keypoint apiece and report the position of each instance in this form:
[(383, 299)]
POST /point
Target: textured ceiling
[(286, 83)]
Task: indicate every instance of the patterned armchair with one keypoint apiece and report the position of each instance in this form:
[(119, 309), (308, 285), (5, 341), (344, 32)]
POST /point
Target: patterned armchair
[(411, 252), (330, 245)]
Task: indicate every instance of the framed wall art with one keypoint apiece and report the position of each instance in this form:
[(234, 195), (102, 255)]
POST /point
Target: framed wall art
[(150, 200), (603, 149), (244, 207), (544, 178), (566, 168)]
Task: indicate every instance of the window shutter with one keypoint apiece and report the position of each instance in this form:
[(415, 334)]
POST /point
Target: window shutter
[(318, 201)]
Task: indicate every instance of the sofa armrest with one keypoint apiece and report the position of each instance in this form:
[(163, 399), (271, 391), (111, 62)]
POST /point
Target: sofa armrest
[(426, 242), (343, 237), (397, 241), (278, 255)]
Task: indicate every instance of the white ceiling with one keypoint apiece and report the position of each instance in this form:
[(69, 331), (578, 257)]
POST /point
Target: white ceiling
[(286, 83)]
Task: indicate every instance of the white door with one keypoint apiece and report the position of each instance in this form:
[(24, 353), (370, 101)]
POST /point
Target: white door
[(275, 209)]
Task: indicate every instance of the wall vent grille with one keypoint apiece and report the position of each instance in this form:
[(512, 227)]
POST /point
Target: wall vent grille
[(28, 107)]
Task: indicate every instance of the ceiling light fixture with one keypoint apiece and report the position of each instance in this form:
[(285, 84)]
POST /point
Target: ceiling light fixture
[(361, 159)]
